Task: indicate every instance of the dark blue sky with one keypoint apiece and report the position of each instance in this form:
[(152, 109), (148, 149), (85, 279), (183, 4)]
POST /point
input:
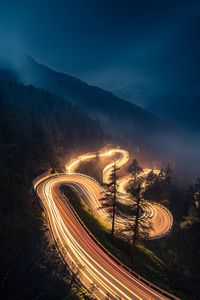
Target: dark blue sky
[(109, 43)]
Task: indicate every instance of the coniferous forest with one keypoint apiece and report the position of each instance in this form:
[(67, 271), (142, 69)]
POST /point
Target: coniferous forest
[(33, 139), (99, 150)]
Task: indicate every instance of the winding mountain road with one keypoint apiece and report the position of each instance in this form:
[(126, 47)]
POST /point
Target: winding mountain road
[(161, 218), (98, 270)]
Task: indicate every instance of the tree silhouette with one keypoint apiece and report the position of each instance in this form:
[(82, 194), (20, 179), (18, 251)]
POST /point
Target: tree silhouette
[(160, 188), (141, 224), (151, 177), (34, 139), (194, 210), (135, 169), (152, 189), (197, 192), (110, 195)]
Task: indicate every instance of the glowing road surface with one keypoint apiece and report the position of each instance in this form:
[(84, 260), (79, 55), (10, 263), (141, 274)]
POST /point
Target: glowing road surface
[(161, 218), (79, 248)]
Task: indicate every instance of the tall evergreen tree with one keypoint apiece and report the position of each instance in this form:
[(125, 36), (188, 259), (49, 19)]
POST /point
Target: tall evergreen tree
[(197, 192), (141, 225), (152, 187), (195, 205), (167, 185), (160, 188), (151, 177), (110, 195), (135, 169)]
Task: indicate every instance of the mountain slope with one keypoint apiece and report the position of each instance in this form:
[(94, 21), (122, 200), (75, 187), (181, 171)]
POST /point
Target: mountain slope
[(178, 106), (120, 117), (181, 109), (38, 131)]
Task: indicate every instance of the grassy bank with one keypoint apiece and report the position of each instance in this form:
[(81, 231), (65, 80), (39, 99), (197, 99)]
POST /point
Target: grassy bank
[(150, 261)]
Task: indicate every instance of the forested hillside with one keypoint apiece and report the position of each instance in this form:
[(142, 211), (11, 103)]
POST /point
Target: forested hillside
[(38, 131), (120, 118)]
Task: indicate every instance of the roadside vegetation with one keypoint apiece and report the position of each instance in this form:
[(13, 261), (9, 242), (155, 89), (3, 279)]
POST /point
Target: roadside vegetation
[(33, 139), (38, 130), (173, 262)]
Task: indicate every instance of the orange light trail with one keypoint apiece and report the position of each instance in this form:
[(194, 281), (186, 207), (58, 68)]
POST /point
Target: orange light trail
[(79, 247)]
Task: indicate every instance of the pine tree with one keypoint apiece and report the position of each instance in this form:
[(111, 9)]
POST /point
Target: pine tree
[(141, 225), (110, 196), (167, 185), (160, 188), (151, 177), (195, 207), (152, 187), (135, 169)]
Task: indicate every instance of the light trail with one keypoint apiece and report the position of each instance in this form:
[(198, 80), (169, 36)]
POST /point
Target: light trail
[(77, 245), (161, 218)]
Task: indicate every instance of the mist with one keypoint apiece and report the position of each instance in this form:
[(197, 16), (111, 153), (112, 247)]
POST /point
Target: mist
[(182, 153), (178, 146)]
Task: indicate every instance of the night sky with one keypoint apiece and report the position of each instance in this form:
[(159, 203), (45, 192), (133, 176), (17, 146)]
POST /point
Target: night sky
[(112, 44)]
